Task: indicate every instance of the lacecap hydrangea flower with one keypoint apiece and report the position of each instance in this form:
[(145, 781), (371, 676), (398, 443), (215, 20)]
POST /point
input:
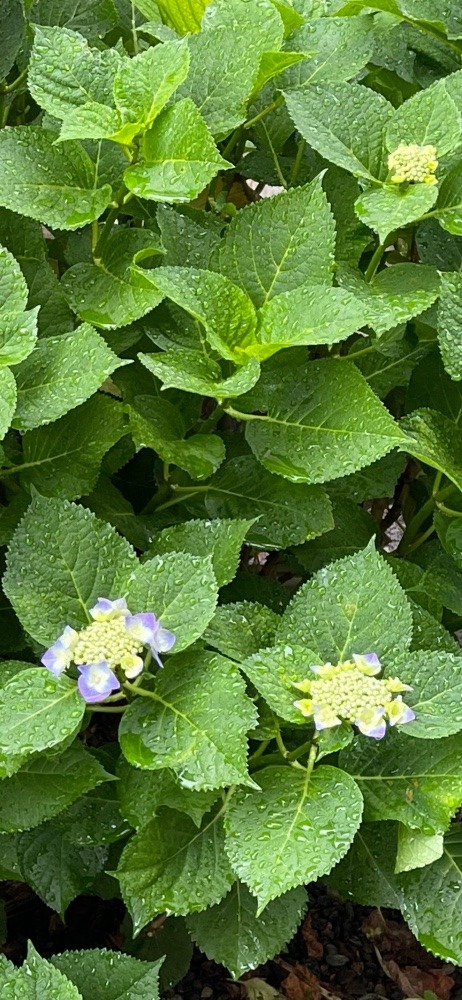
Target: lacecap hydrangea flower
[(413, 163), (352, 692), (108, 649)]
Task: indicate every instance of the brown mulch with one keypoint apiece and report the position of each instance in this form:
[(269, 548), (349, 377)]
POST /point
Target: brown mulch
[(341, 952)]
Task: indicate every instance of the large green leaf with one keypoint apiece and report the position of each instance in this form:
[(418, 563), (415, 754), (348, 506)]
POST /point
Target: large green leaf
[(170, 865), (355, 605), (224, 67), (434, 439), (341, 47), (221, 539), (143, 793), (180, 589), (52, 380), (273, 836), (367, 873), (449, 323), (286, 514), (181, 725), (416, 849), (307, 316), (47, 785), (345, 123), (89, 18), (144, 85), (436, 698), (8, 396), (239, 629), (395, 295), (63, 459), (54, 184), (36, 977), (231, 934), (109, 975), (417, 782), (60, 560), (18, 329), (432, 899), (65, 73), (280, 244), (55, 869), (179, 157), (183, 15), (312, 432), (391, 207), (37, 711), (12, 25), (429, 117), (273, 673)]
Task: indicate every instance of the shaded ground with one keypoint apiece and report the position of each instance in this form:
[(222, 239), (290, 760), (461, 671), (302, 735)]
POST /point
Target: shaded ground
[(341, 951)]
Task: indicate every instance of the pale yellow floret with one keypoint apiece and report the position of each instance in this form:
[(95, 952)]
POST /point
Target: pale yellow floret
[(413, 163), (109, 641)]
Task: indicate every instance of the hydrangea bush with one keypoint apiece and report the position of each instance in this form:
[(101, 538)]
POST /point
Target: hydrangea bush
[(231, 471)]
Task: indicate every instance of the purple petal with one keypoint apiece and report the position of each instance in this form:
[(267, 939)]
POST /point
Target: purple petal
[(96, 681), (162, 642), (104, 609), (407, 716), (377, 732), (57, 658), (142, 627)]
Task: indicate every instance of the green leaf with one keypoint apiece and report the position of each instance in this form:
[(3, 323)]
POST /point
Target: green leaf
[(10, 668), (307, 316), (449, 204), (143, 793), (237, 630), (435, 440), (37, 711), (64, 73), (224, 67), (392, 207), (273, 673), (12, 25), (8, 397), (355, 605), (192, 371), (156, 867), (47, 785), (181, 725), (109, 975), (441, 573), (280, 244), (52, 380), (56, 870), (312, 433), (221, 539), (35, 978), (428, 117), (183, 15), (179, 157), (272, 64), (418, 782), (353, 529), (114, 292), (182, 591), (287, 515), (18, 328), (60, 560), (53, 184), (63, 459), (273, 836), (188, 238), (231, 934), (345, 123), (92, 19), (416, 849), (449, 321), (143, 85), (432, 898), (339, 47), (394, 295), (158, 424), (367, 873), (221, 307), (436, 698)]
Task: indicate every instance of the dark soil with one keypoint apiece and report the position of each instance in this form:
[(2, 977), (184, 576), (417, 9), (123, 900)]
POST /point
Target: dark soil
[(341, 951)]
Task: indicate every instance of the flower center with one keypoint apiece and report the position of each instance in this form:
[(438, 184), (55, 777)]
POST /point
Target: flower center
[(106, 640), (413, 163), (349, 693)]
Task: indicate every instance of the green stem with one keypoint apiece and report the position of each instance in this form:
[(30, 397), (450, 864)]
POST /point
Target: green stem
[(279, 740), (448, 510), (232, 142), (114, 709), (299, 751), (421, 516), (8, 88), (259, 752), (421, 539), (120, 200), (186, 493), (297, 162), (312, 758), (375, 261), (136, 689), (262, 114)]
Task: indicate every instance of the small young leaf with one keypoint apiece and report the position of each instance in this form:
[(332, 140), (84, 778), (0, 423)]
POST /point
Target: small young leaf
[(8, 395), (416, 849), (143, 85), (435, 440), (192, 371), (35, 978), (157, 424), (18, 331)]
